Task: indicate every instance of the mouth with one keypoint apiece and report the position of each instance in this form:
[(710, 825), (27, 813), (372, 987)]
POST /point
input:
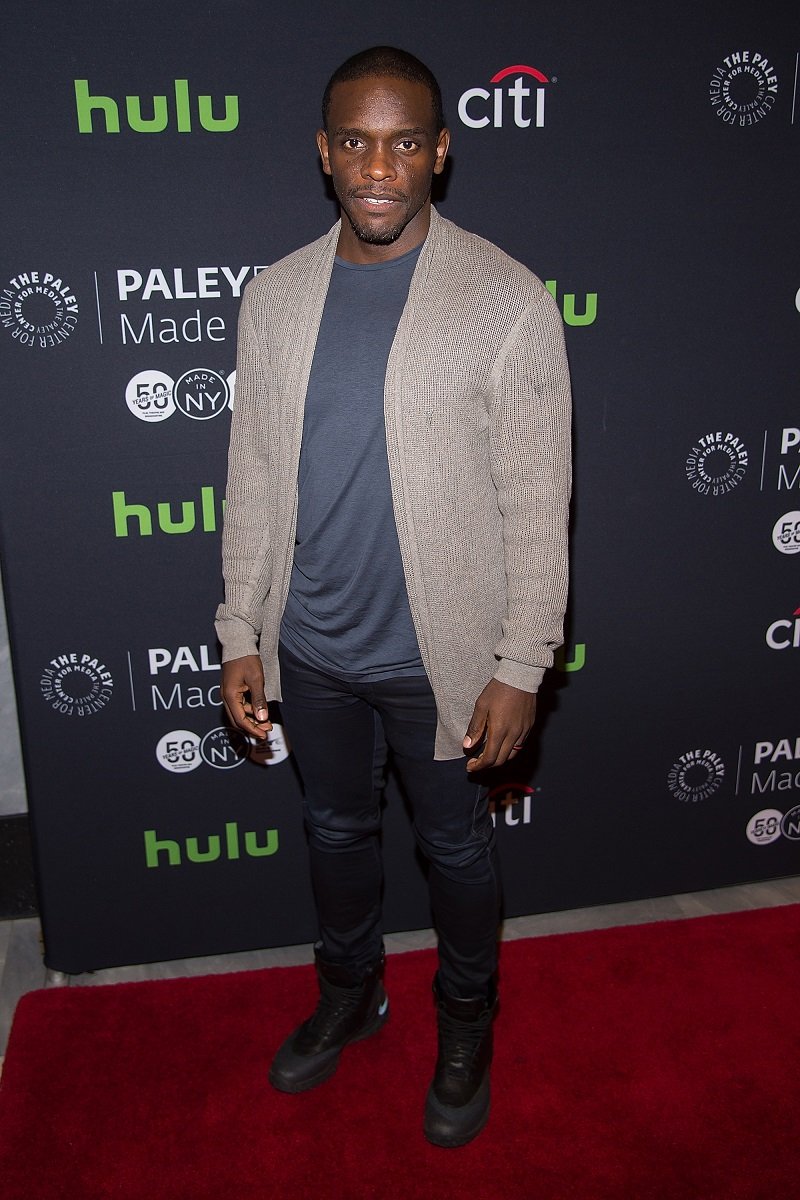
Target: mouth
[(373, 203)]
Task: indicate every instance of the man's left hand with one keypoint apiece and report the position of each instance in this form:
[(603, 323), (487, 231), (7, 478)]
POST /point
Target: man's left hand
[(502, 719)]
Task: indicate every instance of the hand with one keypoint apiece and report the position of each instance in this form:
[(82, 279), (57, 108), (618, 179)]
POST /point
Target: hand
[(502, 719), (243, 696)]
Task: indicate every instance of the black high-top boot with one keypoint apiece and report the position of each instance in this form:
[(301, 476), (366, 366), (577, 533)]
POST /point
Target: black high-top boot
[(457, 1106), (350, 1008)]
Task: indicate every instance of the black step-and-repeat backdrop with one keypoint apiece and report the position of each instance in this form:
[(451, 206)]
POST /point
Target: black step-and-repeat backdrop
[(643, 163)]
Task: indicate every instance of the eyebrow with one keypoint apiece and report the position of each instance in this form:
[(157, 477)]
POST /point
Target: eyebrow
[(343, 131)]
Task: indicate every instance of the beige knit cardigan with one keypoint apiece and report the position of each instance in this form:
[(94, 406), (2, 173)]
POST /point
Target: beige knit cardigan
[(477, 409)]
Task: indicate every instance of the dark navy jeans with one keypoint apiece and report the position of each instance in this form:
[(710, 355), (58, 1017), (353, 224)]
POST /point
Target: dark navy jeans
[(340, 733)]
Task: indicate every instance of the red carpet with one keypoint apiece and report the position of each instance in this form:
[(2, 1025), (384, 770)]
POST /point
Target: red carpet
[(654, 1062)]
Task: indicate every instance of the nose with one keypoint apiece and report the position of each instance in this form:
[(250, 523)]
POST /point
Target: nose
[(378, 164)]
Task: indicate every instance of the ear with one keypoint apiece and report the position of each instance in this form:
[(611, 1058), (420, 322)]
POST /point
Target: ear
[(442, 146), (322, 146)]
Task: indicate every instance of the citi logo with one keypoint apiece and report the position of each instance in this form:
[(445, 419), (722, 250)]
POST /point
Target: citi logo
[(86, 105), (526, 105), (783, 635), (503, 802), (138, 518)]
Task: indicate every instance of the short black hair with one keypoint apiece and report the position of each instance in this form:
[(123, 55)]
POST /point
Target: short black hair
[(386, 60)]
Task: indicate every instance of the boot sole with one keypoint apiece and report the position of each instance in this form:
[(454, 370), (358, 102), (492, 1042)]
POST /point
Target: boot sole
[(328, 1067), (451, 1127)]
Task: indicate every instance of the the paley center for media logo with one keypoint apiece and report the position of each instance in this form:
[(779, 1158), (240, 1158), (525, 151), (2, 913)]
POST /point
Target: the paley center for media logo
[(743, 88), (39, 309), (516, 99), (696, 775), (716, 463), (76, 684)]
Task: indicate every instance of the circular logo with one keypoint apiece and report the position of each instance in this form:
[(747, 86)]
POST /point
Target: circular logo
[(743, 88), (716, 464), (149, 396), (764, 827), (77, 685), (179, 751), (224, 748), (38, 309), (696, 775), (274, 750), (790, 825), (786, 533), (201, 394)]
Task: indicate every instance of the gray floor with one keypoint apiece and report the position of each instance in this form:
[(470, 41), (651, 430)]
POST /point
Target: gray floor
[(22, 969)]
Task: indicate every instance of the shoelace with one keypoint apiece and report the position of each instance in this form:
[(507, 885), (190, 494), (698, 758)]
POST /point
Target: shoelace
[(461, 1040), (336, 1003)]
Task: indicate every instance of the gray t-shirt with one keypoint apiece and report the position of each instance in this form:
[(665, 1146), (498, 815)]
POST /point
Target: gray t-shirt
[(347, 611)]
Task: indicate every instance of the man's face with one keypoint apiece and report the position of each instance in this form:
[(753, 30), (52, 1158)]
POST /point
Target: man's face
[(381, 151)]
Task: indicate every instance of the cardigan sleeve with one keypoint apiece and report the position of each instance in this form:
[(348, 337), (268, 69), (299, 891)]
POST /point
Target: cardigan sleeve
[(529, 438), (246, 557)]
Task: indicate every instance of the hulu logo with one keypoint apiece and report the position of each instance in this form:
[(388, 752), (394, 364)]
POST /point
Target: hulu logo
[(571, 317), (212, 850), (86, 105), (142, 517), (576, 663)]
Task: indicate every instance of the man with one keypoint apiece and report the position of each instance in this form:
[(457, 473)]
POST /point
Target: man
[(395, 548)]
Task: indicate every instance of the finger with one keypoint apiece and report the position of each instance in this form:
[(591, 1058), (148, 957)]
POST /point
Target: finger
[(488, 755), (257, 713), (508, 750), (253, 725), (476, 727), (240, 713)]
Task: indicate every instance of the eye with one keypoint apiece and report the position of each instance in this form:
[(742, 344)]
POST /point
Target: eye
[(407, 144), (352, 143)]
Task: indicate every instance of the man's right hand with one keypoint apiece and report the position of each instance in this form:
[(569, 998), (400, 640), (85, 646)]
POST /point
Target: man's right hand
[(243, 696)]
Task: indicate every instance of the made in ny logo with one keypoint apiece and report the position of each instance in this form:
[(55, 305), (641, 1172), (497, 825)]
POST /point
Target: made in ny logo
[(38, 309), (520, 102), (716, 463), (76, 684), (743, 88), (200, 394)]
